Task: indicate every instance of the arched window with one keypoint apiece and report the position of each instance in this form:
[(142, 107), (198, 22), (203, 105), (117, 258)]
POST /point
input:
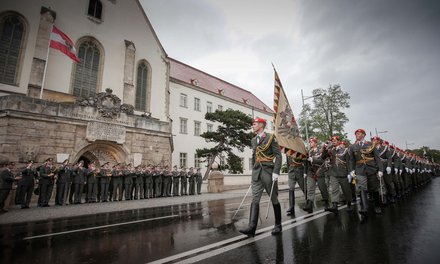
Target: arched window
[(87, 73), (95, 9), (141, 102), (12, 35)]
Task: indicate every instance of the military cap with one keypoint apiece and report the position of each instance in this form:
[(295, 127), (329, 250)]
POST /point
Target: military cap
[(361, 131), (259, 120)]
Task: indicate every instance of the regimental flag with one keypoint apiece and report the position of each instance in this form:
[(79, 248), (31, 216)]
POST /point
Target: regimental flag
[(61, 42), (286, 128)]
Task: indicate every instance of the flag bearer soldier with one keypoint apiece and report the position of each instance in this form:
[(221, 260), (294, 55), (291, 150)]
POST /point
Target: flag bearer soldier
[(7, 178), (138, 183), (104, 181), (191, 181), (46, 182), (128, 181), (64, 182), (167, 181), (296, 175), (176, 179), (367, 167), (26, 184), (183, 181), (149, 188), (199, 180), (314, 170), (117, 181), (339, 160), (267, 160)]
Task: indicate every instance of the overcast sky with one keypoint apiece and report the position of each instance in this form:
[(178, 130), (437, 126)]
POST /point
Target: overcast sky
[(384, 53)]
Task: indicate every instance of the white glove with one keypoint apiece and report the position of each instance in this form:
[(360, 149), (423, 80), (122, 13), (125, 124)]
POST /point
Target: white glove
[(310, 159), (352, 174), (349, 177), (305, 175), (407, 170), (396, 170), (413, 171), (275, 176), (380, 174), (400, 172), (388, 170)]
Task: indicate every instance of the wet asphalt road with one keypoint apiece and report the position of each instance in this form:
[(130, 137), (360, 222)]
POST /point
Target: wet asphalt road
[(406, 233)]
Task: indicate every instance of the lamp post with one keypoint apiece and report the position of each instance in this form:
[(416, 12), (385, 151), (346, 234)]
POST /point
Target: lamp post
[(408, 144), (380, 132), (305, 119)]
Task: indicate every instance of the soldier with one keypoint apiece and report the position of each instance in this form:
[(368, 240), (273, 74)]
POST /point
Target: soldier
[(314, 174), (104, 180), (128, 181), (295, 174), (64, 176), (366, 166), (267, 160), (183, 181), (191, 181), (6, 180), (92, 183), (158, 180), (138, 183), (79, 180), (199, 180), (385, 157), (149, 188), (46, 182), (395, 170), (339, 161), (176, 178), (117, 182), (26, 184), (167, 181)]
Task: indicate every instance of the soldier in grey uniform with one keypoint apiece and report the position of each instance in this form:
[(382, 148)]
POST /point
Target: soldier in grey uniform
[(385, 157), (92, 183), (296, 175), (366, 166), (149, 189), (167, 181), (27, 184), (64, 176), (104, 181), (128, 181), (46, 182), (199, 180), (176, 179), (314, 174), (7, 178), (138, 183), (267, 160), (183, 182), (339, 160), (191, 180), (79, 180), (117, 182)]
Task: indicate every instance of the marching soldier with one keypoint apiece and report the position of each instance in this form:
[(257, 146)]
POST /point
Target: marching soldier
[(183, 181), (295, 174), (7, 178), (46, 182), (64, 178), (385, 157), (199, 180), (367, 167), (176, 178), (314, 174), (267, 160), (26, 184), (104, 180), (339, 160)]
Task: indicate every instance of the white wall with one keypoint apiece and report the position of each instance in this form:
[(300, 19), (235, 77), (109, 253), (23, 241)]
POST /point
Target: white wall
[(188, 143)]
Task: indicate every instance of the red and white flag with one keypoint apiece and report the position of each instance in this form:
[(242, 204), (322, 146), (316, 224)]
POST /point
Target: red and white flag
[(61, 42)]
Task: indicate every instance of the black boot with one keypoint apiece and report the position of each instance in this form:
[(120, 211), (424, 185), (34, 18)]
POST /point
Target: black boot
[(349, 207), (253, 220), (326, 204), (364, 203), (308, 207), (333, 209), (377, 203), (291, 210), (277, 212)]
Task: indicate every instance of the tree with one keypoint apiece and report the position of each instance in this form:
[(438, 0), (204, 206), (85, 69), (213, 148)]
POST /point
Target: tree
[(326, 118), (232, 133), (427, 153)]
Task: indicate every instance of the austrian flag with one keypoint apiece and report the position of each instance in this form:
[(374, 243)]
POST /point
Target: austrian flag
[(61, 42)]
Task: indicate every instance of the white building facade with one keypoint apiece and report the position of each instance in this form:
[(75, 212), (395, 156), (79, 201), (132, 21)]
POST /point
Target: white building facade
[(193, 94)]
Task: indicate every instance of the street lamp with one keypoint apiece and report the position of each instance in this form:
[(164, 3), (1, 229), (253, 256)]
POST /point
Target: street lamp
[(380, 132), (408, 144), (305, 119)]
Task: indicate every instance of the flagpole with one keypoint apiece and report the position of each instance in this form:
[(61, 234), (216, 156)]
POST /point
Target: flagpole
[(45, 66)]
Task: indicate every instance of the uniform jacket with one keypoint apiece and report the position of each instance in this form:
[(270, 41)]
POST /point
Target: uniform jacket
[(373, 163), (6, 179), (339, 161), (270, 147)]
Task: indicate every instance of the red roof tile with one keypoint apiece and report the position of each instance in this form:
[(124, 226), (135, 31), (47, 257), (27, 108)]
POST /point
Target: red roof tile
[(193, 76)]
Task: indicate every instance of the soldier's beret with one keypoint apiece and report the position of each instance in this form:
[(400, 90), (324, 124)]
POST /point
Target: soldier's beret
[(376, 138), (361, 131), (259, 120), (335, 137), (313, 139)]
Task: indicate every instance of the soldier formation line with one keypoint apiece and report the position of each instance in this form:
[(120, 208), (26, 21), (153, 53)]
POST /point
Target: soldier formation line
[(77, 184)]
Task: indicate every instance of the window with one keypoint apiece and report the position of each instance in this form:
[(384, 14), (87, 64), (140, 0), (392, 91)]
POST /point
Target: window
[(251, 165), (196, 128), (142, 87), (11, 44), (209, 127), (209, 107), (220, 107), (86, 73), (196, 104), (95, 9), (183, 126), (196, 161), (183, 100), (183, 160)]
